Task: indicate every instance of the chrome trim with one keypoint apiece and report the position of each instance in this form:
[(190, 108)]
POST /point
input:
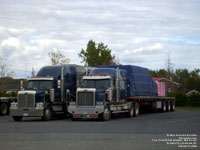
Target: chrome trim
[(93, 90), (25, 103), (96, 77), (41, 78)]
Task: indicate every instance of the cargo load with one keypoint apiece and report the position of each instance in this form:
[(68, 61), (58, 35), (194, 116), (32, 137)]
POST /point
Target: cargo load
[(139, 80)]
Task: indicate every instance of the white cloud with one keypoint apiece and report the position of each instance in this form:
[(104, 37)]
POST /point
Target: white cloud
[(14, 42), (140, 40), (152, 50), (156, 46), (138, 32)]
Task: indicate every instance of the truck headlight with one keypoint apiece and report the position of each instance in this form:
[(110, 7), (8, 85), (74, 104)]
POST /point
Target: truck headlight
[(99, 103), (72, 103), (39, 104), (13, 104)]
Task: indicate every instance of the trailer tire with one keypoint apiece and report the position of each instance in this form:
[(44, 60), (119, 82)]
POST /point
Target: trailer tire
[(168, 106), (47, 114), (173, 106), (136, 109), (130, 114), (4, 109), (106, 114), (17, 118), (164, 106)]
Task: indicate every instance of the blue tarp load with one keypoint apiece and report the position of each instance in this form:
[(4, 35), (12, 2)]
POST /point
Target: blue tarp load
[(139, 80)]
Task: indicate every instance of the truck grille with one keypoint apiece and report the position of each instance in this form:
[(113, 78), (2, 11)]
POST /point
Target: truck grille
[(85, 99), (26, 100)]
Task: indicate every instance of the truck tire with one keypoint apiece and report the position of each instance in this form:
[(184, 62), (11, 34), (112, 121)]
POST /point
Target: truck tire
[(168, 106), (164, 107), (173, 106), (136, 109), (106, 114), (130, 113), (47, 114), (4, 109), (17, 118)]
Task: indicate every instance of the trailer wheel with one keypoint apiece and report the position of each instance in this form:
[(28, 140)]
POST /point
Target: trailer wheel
[(136, 109), (163, 106), (130, 114), (47, 114), (168, 106), (106, 114), (17, 118), (173, 106), (4, 109)]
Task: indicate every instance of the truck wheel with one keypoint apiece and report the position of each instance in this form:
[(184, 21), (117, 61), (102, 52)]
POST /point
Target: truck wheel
[(17, 118), (163, 106), (4, 109), (168, 106), (47, 114), (106, 114), (173, 106), (131, 111), (136, 110)]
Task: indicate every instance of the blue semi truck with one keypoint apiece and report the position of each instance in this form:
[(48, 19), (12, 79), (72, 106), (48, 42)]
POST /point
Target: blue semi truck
[(48, 93), (111, 90)]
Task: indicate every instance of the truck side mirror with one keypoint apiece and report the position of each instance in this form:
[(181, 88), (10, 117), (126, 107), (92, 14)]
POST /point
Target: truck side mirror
[(67, 95), (21, 84), (52, 95), (58, 84)]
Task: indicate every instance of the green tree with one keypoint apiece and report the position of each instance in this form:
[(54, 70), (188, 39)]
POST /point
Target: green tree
[(162, 73), (97, 54), (58, 58)]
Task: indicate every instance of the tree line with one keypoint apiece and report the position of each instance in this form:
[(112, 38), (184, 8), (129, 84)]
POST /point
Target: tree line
[(99, 54), (188, 80)]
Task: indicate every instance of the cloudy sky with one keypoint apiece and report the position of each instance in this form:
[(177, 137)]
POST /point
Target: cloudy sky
[(139, 32)]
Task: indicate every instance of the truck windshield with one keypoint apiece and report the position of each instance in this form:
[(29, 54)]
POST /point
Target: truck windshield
[(98, 84), (39, 85)]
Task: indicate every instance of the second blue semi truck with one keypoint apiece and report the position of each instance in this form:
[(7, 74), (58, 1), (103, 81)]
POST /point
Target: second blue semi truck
[(117, 89)]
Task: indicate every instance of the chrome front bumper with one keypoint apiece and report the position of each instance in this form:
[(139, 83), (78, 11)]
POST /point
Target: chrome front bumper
[(85, 112), (27, 112)]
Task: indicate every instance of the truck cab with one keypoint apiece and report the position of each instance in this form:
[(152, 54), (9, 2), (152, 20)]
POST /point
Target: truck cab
[(34, 99), (98, 92), (48, 93)]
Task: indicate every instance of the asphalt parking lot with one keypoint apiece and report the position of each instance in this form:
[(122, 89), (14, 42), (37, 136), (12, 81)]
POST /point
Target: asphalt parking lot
[(147, 131)]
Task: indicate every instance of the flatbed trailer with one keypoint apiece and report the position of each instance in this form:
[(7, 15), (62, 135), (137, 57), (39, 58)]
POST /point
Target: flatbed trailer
[(131, 106), (135, 103), (5, 103)]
